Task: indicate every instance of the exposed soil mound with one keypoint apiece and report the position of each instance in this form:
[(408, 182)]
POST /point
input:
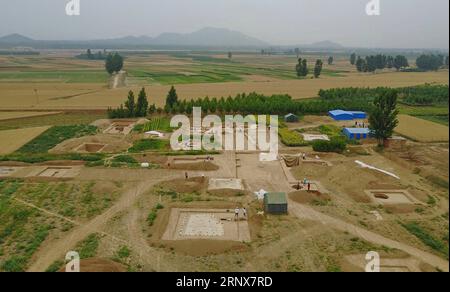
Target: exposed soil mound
[(304, 197), (196, 184), (400, 208), (203, 165)]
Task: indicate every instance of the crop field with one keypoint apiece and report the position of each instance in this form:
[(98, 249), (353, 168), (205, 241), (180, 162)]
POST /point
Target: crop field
[(19, 115), (11, 140), (59, 81), (421, 130)]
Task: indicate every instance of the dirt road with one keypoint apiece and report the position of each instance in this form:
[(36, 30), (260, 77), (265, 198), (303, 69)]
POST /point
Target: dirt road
[(46, 256), (304, 212)]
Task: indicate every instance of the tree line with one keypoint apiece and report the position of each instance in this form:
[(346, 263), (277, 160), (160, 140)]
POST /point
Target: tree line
[(281, 104), (414, 95), (425, 62), (379, 62), (431, 62), (93, 56)]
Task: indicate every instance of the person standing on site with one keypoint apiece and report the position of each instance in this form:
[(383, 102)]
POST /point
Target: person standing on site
[(244, 212), (186, 175), (236, 214), (309, 186)]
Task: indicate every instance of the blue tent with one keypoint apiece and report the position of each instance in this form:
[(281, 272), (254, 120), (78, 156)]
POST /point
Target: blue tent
[(357, 133), (340, 115)]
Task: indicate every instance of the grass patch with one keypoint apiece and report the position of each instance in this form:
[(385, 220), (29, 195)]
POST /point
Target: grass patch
[(291, 138), (56, 135), (148, 144), (44, 157), (88, 247), (426, 238)]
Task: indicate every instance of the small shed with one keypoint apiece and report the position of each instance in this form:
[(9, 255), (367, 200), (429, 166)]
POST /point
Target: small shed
[(275, 203), (357, 133), (291, 118)]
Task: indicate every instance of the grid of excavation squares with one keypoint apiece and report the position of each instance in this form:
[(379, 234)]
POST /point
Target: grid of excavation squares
[(209, 224)]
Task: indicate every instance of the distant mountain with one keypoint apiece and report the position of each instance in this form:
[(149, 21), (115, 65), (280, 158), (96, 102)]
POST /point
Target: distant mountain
[(15, 38), (207, 37), (326, 45)]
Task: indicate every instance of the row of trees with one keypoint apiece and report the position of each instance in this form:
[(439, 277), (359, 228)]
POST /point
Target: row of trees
[(93, 56), (379, 62), (413, 95), (302, 68), (432, 62), (132, 108), (113, 63)]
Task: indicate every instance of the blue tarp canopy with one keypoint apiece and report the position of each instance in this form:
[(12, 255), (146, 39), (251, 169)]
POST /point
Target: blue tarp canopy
[(357, 133), (340, 115)]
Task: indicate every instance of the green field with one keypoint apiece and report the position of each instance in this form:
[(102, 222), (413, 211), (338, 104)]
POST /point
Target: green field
[(75, 76)]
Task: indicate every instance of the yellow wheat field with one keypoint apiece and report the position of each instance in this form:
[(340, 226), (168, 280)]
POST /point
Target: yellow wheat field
[(11, 140), (421, 130), (66, 96)]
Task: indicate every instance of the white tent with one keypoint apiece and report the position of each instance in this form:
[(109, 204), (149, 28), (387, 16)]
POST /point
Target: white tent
[(260, 194), (155, 133)]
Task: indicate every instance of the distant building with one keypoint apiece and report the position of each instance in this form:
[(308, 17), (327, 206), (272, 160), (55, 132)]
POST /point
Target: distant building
[(357, 133), (291, 118), (275, 203), (340, 115)]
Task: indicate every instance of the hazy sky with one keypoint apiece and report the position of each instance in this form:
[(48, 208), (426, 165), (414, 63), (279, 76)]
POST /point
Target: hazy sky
[(402, 23)]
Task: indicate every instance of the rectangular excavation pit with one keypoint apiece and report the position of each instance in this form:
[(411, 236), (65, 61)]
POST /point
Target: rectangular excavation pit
[(391, 197), (90, 147), (120, 127), (57, 172), (225, 183), (212, 224)]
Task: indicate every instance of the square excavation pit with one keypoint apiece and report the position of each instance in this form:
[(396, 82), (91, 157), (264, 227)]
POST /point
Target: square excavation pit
[(90, 147), (59, 172), (226, 183), (120, 127), (391, 197), (214, 224)]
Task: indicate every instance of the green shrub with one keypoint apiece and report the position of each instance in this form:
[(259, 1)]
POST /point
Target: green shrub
[(337, 145), (152, 217), (291, 138), (125, 159), (88, 247), (55, 267)]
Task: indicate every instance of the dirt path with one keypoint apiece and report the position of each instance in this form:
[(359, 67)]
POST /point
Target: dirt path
[(119, 80), (57, 250), (304, 212)]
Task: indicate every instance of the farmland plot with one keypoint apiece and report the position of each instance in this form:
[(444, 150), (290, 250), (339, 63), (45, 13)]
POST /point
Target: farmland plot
[(11, 140), (421, 130)]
